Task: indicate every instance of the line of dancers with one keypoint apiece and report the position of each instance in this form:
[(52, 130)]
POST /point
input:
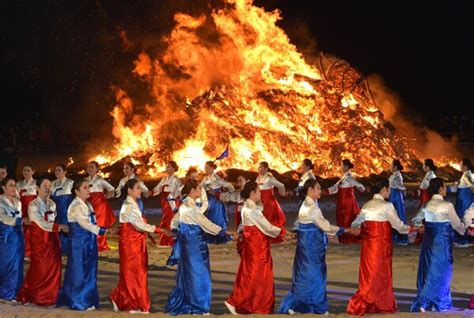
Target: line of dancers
[(73, 218)]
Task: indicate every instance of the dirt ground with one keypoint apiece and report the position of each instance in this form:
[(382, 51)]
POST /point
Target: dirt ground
[(342, 264)]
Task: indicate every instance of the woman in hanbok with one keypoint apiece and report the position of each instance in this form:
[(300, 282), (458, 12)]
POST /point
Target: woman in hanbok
[(61, 190), (470, 224), (397, 191), (12, 246), (26, 189), (43, 279), (464, 198), (429, 168), (271, 208), (169, 190), (376, 220), (307, 169), (308, 290), (192, 293), (202, 205), (347, 207), (79, 290), (254, 290), (132, 294), (435, 267), (100, 190), (129, 172), (235, 197), (216, 211)]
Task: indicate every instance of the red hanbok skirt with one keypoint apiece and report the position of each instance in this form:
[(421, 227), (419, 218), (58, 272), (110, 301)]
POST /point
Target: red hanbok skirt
[(375, 294), (424, 198), (132, 290), (42, 282), (168, 215), (254, 291), (25, 202), (274, 214), (104, 216), (471, 305), (347, 210)]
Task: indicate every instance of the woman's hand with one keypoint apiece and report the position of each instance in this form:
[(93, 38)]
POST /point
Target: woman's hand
[(354, 231), (63, 228)]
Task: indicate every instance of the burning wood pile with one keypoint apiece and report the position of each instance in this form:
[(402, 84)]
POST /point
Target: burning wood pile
[(232, 78)]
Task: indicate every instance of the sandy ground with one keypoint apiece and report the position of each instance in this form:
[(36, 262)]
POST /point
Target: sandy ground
[(342, 262)]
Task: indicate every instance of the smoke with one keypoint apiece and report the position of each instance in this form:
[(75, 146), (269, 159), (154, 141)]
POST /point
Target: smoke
[(426, 142)]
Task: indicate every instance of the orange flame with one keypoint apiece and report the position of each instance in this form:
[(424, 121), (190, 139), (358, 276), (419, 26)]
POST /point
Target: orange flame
[(233, 78)]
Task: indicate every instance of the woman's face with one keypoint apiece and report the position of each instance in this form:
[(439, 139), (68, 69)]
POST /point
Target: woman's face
[(10, 188), (3, 173), (136, 191), (262, 169), (393, 168), (304, 168), (241, 181), (442, 191), (344, 168), (92, 169), (385, 192), (256, 195), (169, 169), (208, 169), (59, 172), (44, 190), (426, 168), (84, 191), (28, 172), (195, 193), (317, 191), (127, 170), (464, 168), (193, 175)]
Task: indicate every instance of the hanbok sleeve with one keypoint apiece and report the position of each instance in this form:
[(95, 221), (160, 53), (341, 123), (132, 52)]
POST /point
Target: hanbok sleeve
[(419, 217), (358, 220), (106, 186), (119, 188), (206, 225), (356, 184), (35, 216), (81, 216), (398, 182), (469, 215), (174, 225), (333, 189), (319, 220), (395, 222), (230, 196), (6, 219), (277, 184), (264, 225), (225, 184), (158, 188), (456, 223), (137, 221)]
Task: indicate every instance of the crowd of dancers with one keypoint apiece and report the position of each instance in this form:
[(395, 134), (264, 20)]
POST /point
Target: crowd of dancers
[(41, 220)]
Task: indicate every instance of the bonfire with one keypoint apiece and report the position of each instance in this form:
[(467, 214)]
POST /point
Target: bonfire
[(233, 79)]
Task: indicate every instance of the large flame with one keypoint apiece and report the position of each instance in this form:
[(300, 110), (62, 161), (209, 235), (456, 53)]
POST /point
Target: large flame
[(234, 79)]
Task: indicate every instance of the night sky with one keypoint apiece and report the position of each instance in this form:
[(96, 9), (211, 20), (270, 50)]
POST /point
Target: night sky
[(60, 58)]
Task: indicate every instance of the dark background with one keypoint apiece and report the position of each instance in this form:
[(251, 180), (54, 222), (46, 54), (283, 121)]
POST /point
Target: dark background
[(60, 58)]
